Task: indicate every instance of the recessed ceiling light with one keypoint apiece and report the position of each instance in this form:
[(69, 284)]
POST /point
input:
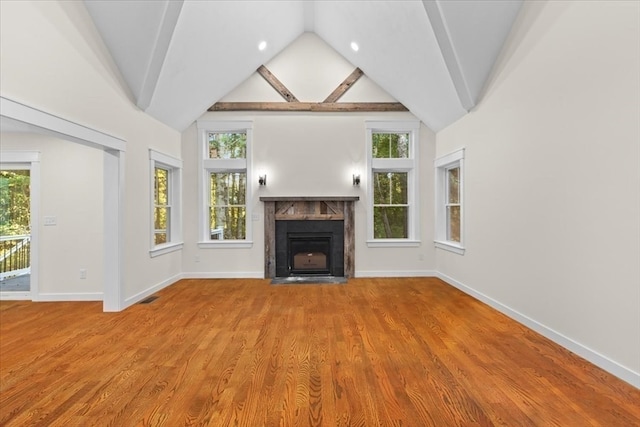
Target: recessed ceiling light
[(355, 46), (262, 45)]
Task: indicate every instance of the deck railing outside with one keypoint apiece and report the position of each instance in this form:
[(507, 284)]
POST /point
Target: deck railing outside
[(15, 256)]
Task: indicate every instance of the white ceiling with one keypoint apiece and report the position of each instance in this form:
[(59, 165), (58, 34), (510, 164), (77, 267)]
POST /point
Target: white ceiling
[(180, 57)]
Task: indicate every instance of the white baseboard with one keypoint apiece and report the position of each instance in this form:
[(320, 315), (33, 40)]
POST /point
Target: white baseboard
[(592, 356), (15, 296), (70, 296), (150, 291), (224, 275), (387, 273)]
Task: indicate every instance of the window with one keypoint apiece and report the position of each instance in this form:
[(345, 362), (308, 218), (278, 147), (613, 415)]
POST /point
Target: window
[(224, 208), (449, 202), (166, 176), (392, 154)]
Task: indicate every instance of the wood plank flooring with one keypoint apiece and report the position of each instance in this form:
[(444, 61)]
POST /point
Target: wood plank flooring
[(373, 352)]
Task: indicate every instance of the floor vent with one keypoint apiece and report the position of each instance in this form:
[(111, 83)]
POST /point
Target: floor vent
[(148, 300)]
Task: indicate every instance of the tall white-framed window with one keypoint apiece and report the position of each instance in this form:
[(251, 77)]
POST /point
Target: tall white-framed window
[(166, 203), (392, 156), (450, 202), (225, 157)]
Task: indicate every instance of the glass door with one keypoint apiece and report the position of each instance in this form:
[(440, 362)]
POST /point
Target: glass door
[(15, 229)]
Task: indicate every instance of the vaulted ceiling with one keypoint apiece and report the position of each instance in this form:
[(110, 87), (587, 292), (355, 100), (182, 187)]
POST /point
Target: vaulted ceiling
[(180, 57)]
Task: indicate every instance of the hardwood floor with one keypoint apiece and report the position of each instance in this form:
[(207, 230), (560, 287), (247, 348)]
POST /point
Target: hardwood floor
[(396, 352)]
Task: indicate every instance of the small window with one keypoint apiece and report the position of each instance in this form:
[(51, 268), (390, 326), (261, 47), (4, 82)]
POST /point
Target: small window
[(227, 145), (392, 154), (166, 176), (390, 145), (449, 202), (225, 154)]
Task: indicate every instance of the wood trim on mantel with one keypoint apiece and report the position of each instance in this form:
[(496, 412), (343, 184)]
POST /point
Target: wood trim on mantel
[(309, 198)]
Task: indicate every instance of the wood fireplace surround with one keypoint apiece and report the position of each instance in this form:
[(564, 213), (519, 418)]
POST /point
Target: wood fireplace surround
[(308, 208)]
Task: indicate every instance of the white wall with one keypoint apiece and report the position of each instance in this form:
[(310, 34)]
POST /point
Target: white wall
[(70, 191), (309, 154), (553, 181), (53, 59)]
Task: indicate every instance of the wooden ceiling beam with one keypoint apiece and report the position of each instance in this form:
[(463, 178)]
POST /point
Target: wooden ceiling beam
[(329, 105), (276, 84), (344, 86), (320, 107)]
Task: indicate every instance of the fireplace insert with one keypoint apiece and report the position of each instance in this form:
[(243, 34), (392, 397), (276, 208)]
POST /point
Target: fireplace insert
[(309, 248)]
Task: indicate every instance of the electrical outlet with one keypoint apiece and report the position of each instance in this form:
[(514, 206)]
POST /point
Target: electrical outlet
[(50, 220), (196, 258), (83, 273)]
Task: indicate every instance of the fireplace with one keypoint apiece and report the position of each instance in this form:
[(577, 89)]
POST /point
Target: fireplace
[(309, 248), (309, 236)]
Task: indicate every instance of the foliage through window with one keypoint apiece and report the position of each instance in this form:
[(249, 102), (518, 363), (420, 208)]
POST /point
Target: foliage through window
[(14, 202), (228, 210), (227, 145), (390, 205), (162, 209), (392, 151), (453, 204)]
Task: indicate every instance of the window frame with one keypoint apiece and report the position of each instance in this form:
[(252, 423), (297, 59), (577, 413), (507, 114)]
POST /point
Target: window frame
[(208, 166), (442, 166), (407, 165), (174, 180)]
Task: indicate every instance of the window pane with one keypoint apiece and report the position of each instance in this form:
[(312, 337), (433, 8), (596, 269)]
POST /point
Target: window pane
[(229, 188), (390, 145), (228, 223), (390, 222), (160, 238), (161, 218), (228, 210), (453, 186), (161, 186), (453, 223), (227, 145), (390, 188)]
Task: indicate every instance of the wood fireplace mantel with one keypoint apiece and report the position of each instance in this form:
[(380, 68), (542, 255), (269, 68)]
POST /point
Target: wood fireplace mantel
[(308, 208)]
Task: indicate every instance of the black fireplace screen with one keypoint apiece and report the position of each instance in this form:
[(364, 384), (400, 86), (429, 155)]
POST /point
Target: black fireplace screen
[(309, 248)]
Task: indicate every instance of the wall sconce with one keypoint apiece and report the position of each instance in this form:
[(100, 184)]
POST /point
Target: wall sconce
[(356, 179), (262, 180)]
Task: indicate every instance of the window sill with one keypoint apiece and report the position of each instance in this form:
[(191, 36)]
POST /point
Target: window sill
[(450, 246), (165, 249), (228, 244), (393, 243)]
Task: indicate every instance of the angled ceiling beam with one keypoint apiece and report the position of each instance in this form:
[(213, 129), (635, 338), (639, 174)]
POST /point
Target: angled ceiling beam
[(160, 49), (345, 86), (276, 84), (438, 22)]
